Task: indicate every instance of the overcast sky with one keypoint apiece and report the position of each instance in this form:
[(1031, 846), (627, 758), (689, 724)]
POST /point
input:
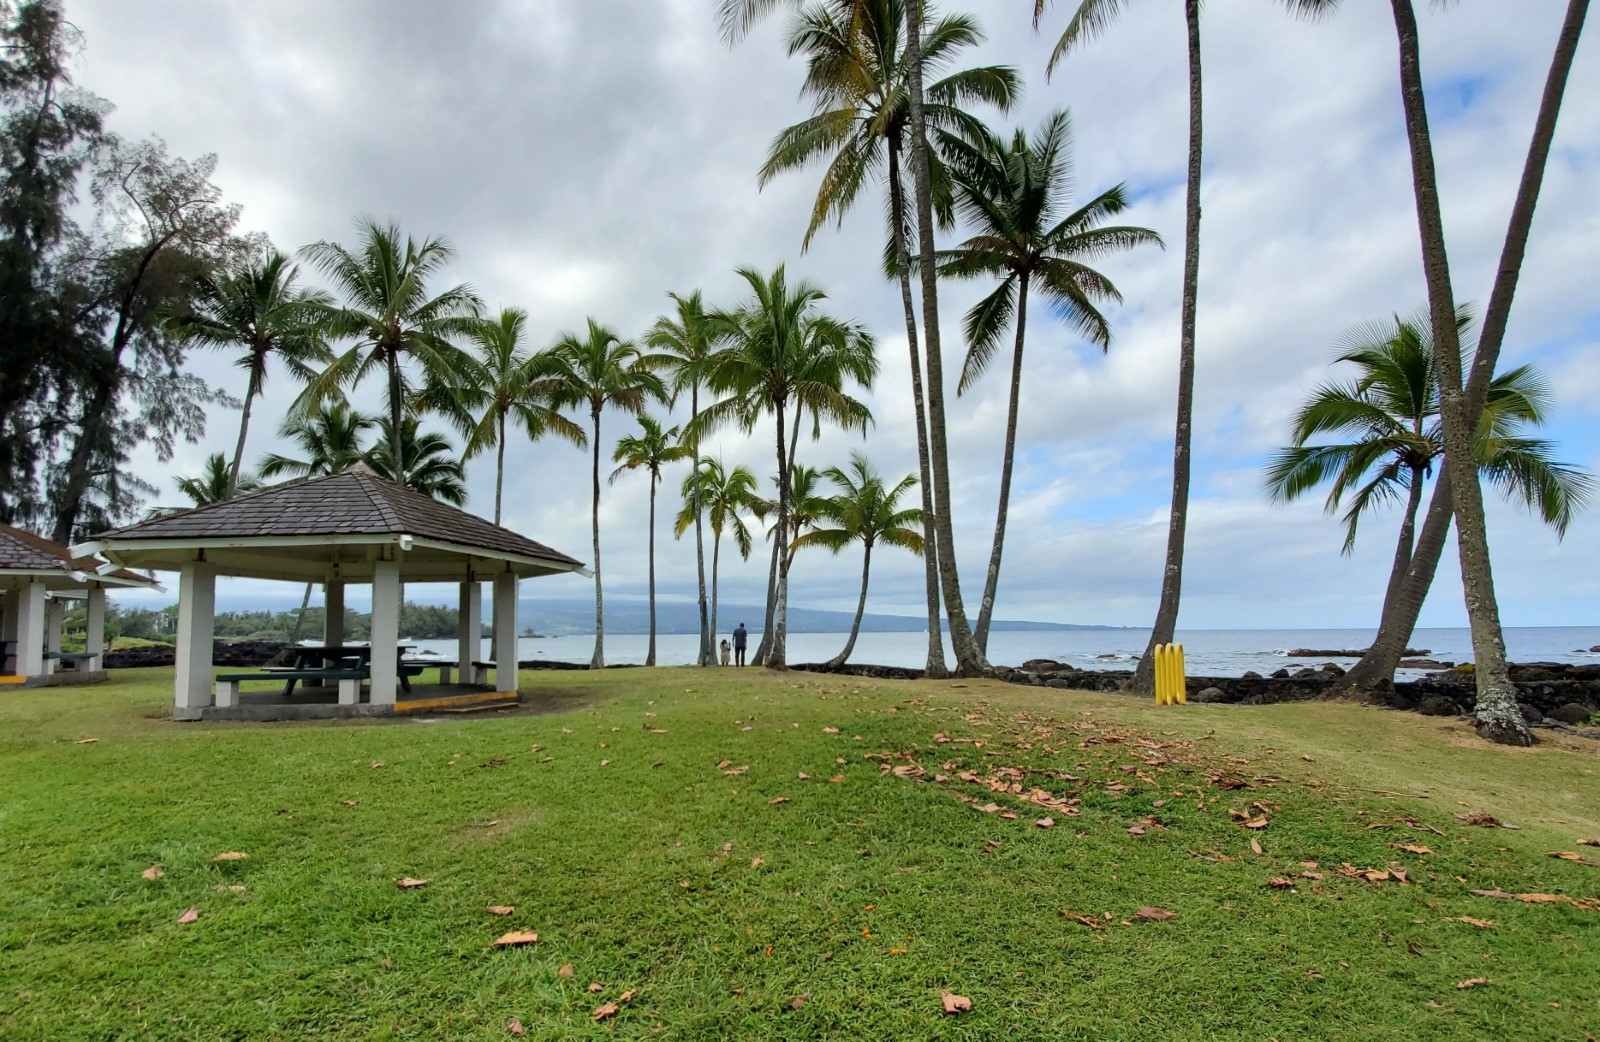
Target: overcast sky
[(586, 158)]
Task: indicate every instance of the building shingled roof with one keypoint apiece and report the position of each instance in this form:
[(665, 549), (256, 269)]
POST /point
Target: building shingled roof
[(354, 501)]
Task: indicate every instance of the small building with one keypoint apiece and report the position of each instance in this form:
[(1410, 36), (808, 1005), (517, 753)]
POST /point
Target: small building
[(39, 579), (349, 527)]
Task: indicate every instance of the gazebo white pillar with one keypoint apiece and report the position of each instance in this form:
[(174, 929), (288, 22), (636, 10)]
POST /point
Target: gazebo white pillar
[(469, 634), (55, 611), (333, 614), (94, 629), (385, 632), (8, 628), (197, 619), (30, 629), (505, 634)]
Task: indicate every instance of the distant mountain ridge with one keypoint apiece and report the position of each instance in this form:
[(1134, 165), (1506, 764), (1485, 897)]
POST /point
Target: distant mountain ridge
[(559, 618)]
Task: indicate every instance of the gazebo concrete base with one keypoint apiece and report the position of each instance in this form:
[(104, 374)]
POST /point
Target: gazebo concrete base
[(69, 678), (315, 704)]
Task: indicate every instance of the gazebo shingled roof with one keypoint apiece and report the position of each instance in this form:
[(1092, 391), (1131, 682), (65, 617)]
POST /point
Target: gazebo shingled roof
[(23, 551), (283, 523)]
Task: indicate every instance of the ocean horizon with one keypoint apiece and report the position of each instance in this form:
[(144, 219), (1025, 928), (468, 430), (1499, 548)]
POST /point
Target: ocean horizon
[(1221, 653)]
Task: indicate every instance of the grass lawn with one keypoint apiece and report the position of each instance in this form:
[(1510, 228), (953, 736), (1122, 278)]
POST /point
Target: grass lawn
[(705, 841)]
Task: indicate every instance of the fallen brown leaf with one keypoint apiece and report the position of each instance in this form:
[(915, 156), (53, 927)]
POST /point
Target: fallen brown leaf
[(756, 862), (566, 970), (837, 779), (727, 848), (777, 800), (515, 939), (1414, 848), (349, 803), (153, 872), (954, 1003), (407, 883), (1045, 823), (1484, 819), (515, 1027), (830, 730), (596, 987), (231, 855), (86, 741), (189, 916), (1255, 846), (1473, 983), (1589, 842), (627, 996), (607, 1010), (799, 1000), (1159, 914), (1482, 924), (501, 909), (804, 776), (1280, 883)]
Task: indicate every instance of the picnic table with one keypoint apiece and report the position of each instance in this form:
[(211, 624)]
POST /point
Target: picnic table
[(313, 661)]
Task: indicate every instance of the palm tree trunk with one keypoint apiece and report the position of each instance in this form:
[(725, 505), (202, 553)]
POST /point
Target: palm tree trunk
[(861, 608), (1406, 542), (969, 658), (706, 630), (764, 647), (1498, 312), (1499, 719), (716, 558), (251, 390), (598, 659), (775, 650), (1376, 668), (650, 655), (1374, 673), (765, 643), (992, 580), (499, 465), (930, 559), (300, 618), (1166, 624), (395, 418)]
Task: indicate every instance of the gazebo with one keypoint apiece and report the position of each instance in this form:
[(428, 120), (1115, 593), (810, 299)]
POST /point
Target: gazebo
[(349, 527), (38, 577)]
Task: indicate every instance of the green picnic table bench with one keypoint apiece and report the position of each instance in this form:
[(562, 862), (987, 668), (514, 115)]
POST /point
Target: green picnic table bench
[(349, 681)]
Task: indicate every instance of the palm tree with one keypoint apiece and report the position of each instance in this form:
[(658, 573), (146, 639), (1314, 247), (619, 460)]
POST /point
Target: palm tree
[(652, 448), (868, 512), (1391, 413), (391, 317), (737, 17), (258, 308), (429, 462), (499, 384), (1013, 195), (1089, 21), (857, 79), (217, 482), (592, 372), (1377, 666), (771, 365), (330, 439), (723, 495), (1499, 718), (808, 507), (685, 343)]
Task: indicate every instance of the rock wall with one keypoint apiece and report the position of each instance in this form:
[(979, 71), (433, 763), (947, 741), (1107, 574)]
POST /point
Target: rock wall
[(242, 653), (1548, 692)]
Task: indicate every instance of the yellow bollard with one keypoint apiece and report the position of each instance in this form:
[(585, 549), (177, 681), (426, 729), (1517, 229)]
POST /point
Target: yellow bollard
[(1181, 691), (1170, 686)]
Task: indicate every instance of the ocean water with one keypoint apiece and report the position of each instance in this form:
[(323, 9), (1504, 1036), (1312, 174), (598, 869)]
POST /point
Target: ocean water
[(1221, 653)]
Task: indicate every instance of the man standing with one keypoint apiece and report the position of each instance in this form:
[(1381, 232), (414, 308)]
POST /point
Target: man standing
[(740, 637)]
